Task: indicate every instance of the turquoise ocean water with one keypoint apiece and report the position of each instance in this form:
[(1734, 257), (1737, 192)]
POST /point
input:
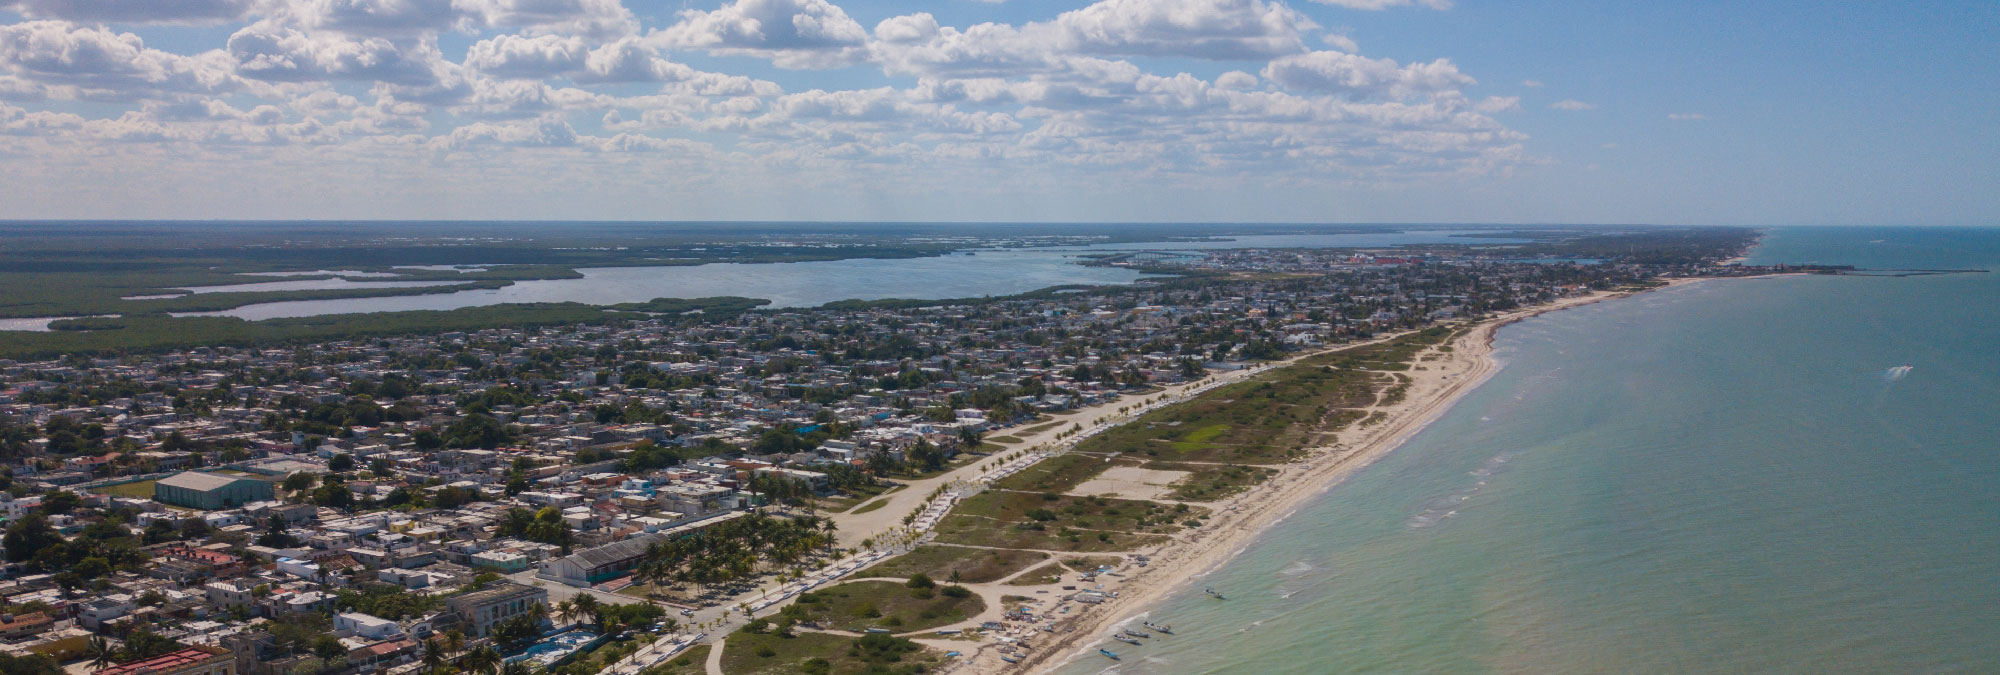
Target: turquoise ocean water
[(1737, 476)]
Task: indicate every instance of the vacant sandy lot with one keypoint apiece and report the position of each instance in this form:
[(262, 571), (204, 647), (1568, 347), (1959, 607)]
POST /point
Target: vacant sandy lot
[(1130, 482)]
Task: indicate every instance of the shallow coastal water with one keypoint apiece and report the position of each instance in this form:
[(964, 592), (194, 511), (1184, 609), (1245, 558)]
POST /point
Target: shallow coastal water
[(1791, 475)]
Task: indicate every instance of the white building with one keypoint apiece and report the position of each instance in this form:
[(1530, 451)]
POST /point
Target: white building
[(356, 624)]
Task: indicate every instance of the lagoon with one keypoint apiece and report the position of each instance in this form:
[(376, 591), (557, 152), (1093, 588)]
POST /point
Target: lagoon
[(975, 273)]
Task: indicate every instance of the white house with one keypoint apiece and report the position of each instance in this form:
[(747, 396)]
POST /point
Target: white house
[(356, 624)]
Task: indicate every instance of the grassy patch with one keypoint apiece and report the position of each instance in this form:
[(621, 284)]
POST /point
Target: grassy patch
[(1049, 521), (1207, 483), (1092, 563), (1091, 513), (1055, 474), (1039, 428), (1046, 574), (694, 661), (1010, 440), (972, 531), (974, 565), (843, 501), (747, 653), (862, 605), (870, 506), (1273, 418), (140, 490)]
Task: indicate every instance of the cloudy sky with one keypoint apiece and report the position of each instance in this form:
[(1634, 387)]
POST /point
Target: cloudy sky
[(1122, 110)]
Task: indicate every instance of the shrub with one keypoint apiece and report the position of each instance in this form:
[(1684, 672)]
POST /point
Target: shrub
[(957, 592), (921, 580)]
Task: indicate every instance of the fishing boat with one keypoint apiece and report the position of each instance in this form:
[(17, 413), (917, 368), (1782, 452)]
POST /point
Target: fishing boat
[(1138, 633), (1163, 628), (1211, 592), (1109, 654), (1009, 659), (1126, 640)]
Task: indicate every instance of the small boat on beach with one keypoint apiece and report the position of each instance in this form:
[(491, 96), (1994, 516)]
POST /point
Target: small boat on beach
[(1009, 659), (1162, 628), (1126, 640), (1109, 654), (1211, 592), (1138, 633)]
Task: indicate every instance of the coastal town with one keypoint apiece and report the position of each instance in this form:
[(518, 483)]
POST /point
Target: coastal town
[(893, 486)]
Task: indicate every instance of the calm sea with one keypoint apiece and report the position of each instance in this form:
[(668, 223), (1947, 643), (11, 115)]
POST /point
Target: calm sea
[(1790, 475)]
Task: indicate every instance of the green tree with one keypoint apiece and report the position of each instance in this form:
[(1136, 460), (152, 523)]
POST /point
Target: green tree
[(29, 536), (60, 501), (298, 481), (329, 648)]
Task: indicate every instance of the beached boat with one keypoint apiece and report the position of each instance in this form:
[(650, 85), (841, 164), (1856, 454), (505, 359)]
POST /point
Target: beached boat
[(1109, 654), (1163, 628), (1138, 633), (1009, 659), (1211, 592), (1126, 640)]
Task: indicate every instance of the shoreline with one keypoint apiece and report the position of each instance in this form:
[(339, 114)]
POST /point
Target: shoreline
[(1239, 520)]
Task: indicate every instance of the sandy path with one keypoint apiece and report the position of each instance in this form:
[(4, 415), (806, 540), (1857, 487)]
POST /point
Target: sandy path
[(1238, 520)]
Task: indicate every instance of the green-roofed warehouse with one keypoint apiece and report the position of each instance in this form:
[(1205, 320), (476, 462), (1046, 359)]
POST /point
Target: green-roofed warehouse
[(210, 491)]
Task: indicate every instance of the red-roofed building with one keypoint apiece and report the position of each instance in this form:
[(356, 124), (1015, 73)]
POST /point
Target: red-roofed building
[(196, 660), (216, 563)]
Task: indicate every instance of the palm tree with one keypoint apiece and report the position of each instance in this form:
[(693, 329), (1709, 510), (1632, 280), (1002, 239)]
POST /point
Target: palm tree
[(566, 610), (481, 660), (101, 654), (433, 655), (586, 606), (454, 641), (514, 669)]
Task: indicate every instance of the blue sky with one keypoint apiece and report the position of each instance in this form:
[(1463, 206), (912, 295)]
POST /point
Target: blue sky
[(1118, 110)]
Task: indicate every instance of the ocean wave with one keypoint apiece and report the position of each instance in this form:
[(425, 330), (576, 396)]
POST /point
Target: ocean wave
[(1446, 507)]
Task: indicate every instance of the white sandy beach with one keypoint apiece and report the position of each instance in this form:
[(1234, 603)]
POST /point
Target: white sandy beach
[(1237, 521)]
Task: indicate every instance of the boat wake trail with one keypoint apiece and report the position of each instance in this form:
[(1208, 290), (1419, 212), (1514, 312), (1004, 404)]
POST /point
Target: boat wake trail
[(1447, 506)]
